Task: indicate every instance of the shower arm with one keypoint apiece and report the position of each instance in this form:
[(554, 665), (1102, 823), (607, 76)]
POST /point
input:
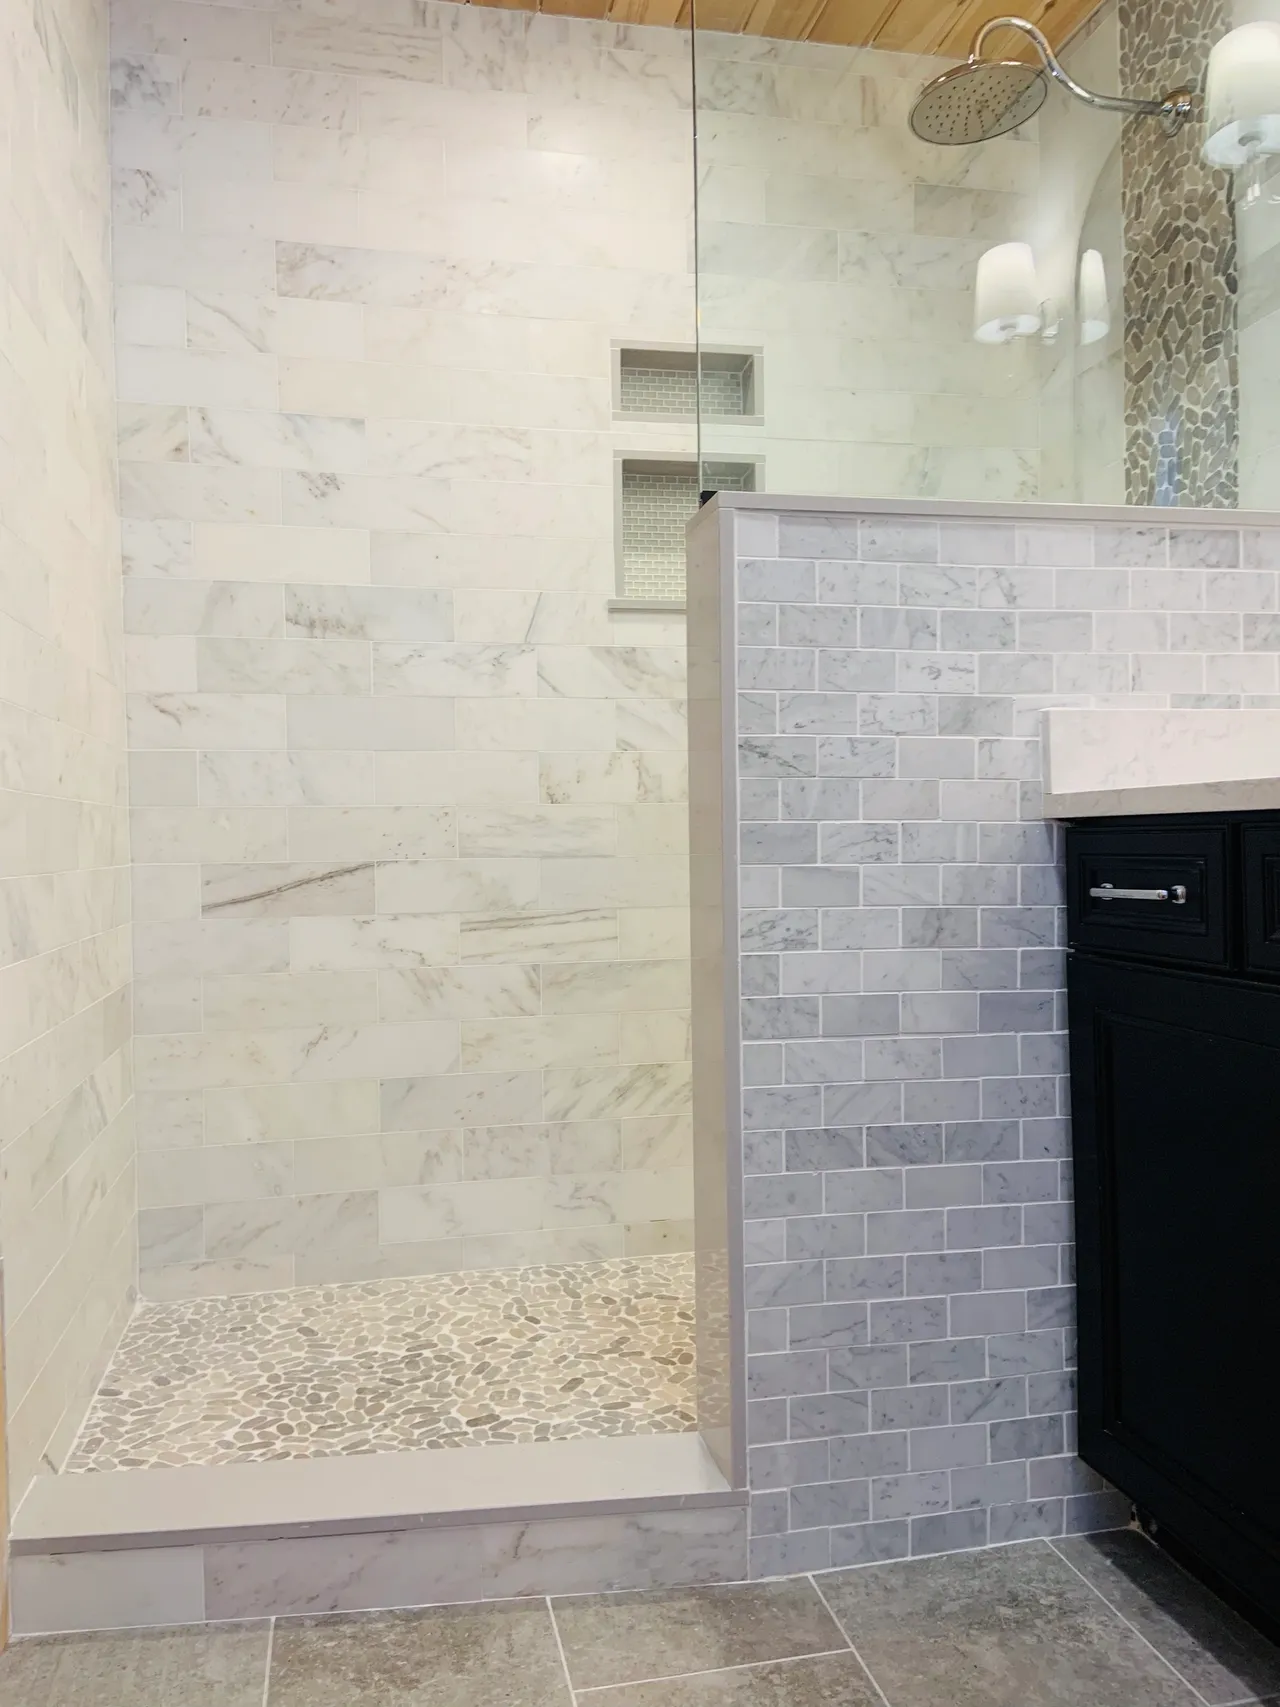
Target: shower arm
[(1173, 110)]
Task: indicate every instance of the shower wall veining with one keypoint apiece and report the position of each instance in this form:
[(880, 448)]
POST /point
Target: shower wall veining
[(408, 803), (67, 1231)]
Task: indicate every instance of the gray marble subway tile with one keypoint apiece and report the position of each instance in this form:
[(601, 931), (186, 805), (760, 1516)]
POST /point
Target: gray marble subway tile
[(849, 671), (859, 1368), (774, 669), (1051, 1392), (777, 756), (776, 582), (766, 1424), (910, 1495), (770, 1513), (817, 536), (827, 1326), (988, 1401), (781, 1194), (908, 1144), (784, 1555), (958, 1446), (784, 1283), (782, 1375), (1220, 1655), (824, 798), (789, 1464), (941, 1099), (880, 1454), (932, 1274), (757, 625), (865, 1277), (818, 625), (856, 756), (909, 1407), (860, 1016), (821, 886), (821, 1236), (947, 585), (870, 1543), (823, 1504), (948, 1360), (825, 1147), (760, 975), (899, 542), (858, 583), (1025, 1520)]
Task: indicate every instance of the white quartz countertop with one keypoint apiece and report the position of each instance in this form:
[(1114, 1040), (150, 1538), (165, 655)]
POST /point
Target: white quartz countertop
[(1113, 760)]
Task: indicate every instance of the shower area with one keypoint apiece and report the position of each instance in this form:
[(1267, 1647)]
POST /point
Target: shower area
[(433, 322)]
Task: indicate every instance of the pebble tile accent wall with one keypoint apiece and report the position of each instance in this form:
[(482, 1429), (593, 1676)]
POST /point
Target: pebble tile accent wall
[(1182, 386), (906, 1146), (67, 1184)]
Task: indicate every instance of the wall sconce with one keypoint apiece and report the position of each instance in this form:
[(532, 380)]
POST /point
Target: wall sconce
[(1006, 298), (1242, 97), (1006, 303), (1095, 309)]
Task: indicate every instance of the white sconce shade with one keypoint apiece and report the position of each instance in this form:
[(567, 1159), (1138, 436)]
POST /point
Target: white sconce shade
[(1007, 297), (1242, 96), (1095, 310)]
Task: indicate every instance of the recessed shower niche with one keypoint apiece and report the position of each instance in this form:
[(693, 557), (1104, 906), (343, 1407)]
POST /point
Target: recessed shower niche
[(654, 497), (667, 384)]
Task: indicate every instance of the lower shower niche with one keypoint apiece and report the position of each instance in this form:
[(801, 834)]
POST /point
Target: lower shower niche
[(484, 1358)]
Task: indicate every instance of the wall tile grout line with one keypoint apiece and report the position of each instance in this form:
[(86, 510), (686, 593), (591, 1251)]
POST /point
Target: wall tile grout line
[(1147, 1642), (564, 1658), (875, 1683)]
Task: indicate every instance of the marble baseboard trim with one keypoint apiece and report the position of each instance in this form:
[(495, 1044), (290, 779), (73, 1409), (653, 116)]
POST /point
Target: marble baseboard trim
[(120, 1510), (354, 1573), (1113, 760)]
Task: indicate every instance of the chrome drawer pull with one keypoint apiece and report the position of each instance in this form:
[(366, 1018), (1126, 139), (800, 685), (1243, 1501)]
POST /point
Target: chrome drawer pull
[(1108, 892)]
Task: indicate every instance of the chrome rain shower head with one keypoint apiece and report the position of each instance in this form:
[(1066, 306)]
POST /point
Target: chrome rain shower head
[(978, 100), (984, 98)]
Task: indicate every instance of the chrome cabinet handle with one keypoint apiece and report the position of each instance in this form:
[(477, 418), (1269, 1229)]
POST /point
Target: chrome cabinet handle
[(1108, 892)]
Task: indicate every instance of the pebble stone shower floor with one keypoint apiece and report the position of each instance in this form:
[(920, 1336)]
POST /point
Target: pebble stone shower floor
[(481, 1358)]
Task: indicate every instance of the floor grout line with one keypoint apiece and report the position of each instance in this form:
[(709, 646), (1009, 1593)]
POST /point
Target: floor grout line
[(715, 1671), (875, 1682), (1145, 1640), (271, 1648), (564, 1658)]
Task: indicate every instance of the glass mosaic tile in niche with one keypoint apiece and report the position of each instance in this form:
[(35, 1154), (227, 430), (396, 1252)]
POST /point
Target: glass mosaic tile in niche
[(487, 1357), (674, 391)]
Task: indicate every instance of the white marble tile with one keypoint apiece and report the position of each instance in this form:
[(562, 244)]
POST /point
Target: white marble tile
[(435, 991), (94, 1591), (404, 942)]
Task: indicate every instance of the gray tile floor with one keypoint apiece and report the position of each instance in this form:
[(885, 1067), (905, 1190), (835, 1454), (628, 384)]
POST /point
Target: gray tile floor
[(1098, 1621)]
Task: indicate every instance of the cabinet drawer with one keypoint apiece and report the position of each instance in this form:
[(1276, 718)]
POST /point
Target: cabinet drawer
[(1159, 894)]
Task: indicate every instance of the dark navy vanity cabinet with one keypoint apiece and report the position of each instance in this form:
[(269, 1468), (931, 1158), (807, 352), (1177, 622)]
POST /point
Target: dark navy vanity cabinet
[(1174, 986)]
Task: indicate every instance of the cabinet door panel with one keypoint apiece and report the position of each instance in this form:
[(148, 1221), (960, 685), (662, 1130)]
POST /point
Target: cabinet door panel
[(1176, 1091)]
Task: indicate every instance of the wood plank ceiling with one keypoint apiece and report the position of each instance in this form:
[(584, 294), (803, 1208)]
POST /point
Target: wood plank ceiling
[(901, 26)]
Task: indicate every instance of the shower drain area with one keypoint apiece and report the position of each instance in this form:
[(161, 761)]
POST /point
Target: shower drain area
[(492, 1357)]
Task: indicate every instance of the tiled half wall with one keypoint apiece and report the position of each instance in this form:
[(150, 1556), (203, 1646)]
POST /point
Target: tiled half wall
[(904, 1134)]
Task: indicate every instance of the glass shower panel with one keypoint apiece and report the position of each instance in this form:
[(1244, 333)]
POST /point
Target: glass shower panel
[(838, 254)]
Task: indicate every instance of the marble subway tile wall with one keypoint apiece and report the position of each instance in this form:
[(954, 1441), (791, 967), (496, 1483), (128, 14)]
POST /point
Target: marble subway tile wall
[(843, 246), (409, 807), (905, 1142), (67, 1229)]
